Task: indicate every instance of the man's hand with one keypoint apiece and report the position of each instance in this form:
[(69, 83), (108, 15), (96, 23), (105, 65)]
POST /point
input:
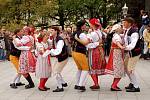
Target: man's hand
[(76, 37)]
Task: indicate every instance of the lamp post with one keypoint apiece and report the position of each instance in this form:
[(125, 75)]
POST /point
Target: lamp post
[(125, 10)]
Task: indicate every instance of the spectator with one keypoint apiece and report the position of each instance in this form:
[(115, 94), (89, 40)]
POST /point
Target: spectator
[(146, 35), (2, 46)]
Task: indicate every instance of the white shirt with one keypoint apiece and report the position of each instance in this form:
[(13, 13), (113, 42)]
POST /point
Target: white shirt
[(20, 47), (130, 42), (57, 51), (25, 39), (117, 38), (83, 36), (96, 35)]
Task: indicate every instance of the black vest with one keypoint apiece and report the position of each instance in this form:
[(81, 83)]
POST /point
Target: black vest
[(14, 51), (64, 54), (137, 49), (77, 46)]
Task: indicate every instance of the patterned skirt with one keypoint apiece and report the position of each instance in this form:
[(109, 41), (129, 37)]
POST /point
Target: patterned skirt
[(98, 61), (115, 64), (27, 62)]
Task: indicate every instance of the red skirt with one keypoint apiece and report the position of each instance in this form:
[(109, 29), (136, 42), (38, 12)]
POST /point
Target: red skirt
[(98, 61)]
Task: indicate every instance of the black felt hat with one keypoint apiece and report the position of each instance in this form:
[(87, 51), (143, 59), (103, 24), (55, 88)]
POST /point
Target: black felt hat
[(80, 23)]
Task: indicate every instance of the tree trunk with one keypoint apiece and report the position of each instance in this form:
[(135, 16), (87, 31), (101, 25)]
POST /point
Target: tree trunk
[(104, 14), (61, 18)]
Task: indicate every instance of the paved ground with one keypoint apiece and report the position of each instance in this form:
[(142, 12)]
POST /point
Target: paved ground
[(7, 73)]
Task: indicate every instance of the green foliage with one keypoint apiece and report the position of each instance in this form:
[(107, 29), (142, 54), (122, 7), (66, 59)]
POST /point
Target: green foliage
[(64, 11)]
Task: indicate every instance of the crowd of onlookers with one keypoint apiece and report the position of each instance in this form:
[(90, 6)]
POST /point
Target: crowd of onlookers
[(5, 38)]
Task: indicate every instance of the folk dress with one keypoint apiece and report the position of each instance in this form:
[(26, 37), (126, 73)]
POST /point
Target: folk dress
[(43, 64), (115, 65), (96, 56), (27, 60)]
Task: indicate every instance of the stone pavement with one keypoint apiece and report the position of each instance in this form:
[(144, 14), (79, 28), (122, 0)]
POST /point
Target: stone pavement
[(7, 73)]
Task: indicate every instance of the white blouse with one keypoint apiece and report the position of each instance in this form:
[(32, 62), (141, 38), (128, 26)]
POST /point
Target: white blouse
[(117, 38), (83, 36)]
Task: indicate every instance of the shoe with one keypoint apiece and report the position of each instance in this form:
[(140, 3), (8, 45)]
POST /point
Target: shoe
[(29, 86), (42, 89), (118, 87), (20, 84), (58, 90), (76, 87), (146, 58), (65, 85), (133, 90), (94, 87), (82, 88), (13, 85), (46, 88), (115, 89), (129, 86)]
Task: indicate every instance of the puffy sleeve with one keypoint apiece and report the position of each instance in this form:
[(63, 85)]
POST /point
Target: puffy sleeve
[(58, 50), (16, 42), (117, 38), (25, 39)]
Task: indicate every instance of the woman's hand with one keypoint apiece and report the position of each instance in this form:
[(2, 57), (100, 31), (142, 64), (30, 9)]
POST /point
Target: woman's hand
[(122, 47)]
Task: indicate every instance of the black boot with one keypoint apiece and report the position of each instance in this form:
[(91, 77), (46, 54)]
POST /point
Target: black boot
[(31, 84)]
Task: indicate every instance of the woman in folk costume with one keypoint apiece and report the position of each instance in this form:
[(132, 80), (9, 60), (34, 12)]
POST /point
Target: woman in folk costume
[(115, 64), (96, 57), (27, 59), (60, 51), (43, 65)]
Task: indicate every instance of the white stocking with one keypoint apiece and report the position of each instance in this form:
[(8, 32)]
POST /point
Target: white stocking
[(83, 78)]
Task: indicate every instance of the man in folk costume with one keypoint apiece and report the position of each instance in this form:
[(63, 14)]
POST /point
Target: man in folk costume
[(132, 53), (79, 56), (60, 51)]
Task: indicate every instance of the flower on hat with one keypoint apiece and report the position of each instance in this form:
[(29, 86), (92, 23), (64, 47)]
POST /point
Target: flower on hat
[(116, 26), (95, 21)]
